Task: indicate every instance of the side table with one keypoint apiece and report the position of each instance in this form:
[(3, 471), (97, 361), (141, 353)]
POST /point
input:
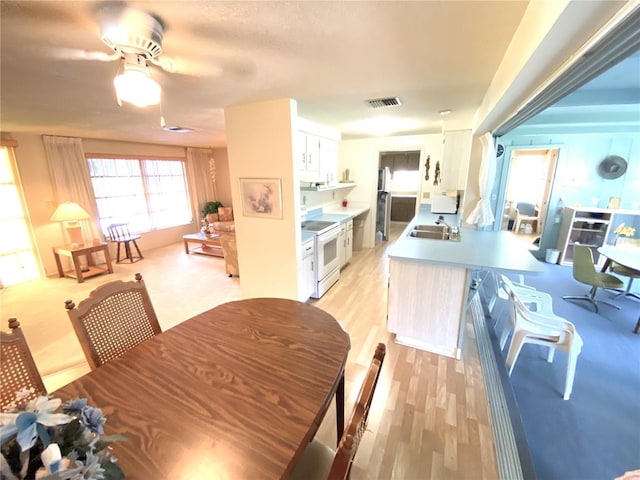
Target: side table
[(82, 251)]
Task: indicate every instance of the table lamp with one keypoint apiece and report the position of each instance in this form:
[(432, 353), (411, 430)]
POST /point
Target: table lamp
[(69, 214)]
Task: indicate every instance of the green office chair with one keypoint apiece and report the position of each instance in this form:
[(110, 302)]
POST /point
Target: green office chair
[(584, 271)]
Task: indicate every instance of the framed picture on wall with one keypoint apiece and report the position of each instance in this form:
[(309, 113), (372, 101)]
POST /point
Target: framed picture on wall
[(261, 197)]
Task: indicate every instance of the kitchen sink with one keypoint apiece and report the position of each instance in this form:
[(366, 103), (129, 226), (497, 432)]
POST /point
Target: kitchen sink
[(433, 232), (441, 229)]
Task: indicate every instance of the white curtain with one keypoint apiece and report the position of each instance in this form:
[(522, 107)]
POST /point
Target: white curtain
[(71, 181), (201, 169), (482, 216)]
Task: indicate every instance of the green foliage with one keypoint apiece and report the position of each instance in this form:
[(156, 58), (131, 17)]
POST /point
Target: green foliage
[(211, 207)]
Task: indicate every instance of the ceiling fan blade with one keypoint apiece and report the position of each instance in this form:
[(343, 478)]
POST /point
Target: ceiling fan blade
[(186, 67), (80, 54)]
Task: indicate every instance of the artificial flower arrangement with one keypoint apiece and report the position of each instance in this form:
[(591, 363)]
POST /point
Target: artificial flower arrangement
[(207, 228), (624, 231), (38, 443)]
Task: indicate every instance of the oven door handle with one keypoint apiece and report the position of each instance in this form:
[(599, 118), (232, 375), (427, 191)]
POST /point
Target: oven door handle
[(330, 235)]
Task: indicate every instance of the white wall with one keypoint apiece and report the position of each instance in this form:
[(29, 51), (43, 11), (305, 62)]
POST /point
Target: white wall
[(260, 145), (362, 157)]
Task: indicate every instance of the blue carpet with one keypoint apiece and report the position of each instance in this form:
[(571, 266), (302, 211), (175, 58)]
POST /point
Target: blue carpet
[(596, 433)]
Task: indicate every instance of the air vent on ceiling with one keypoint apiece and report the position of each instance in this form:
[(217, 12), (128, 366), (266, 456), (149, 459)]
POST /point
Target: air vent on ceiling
[(384, 102)]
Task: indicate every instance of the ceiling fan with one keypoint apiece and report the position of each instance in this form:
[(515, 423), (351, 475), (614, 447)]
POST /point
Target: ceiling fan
[(135, 38)]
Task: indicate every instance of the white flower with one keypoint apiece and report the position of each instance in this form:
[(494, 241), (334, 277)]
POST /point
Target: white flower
[(51, 458)]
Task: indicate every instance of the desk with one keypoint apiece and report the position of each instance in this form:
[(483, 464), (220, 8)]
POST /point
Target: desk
[(236, 392), (82, 251), (207, 245), (627, 257)]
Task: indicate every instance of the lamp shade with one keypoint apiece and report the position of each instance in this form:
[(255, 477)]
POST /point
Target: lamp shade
[(69, 211), (135, 86)]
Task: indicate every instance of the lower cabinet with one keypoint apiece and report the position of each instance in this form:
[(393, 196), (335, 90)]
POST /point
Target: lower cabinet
[(403, 209), (345, 242), (349, 242), (426, 304), (306, 271)]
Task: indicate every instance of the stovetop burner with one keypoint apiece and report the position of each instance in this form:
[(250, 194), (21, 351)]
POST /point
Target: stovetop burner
[(316, 225)]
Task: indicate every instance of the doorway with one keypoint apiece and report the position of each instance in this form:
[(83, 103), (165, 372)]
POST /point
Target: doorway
[(527, 191)]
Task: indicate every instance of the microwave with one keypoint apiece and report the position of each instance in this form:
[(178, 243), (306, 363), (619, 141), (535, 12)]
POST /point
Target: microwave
[(444, 204)]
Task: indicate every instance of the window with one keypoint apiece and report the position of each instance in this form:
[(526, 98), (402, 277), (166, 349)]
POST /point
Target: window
[(149, 194), (17, 259)]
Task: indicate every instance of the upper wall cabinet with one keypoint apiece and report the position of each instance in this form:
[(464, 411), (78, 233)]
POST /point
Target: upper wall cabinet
[(317, 153), (308, 156), (329, 161), (400, 160), (455, 159)]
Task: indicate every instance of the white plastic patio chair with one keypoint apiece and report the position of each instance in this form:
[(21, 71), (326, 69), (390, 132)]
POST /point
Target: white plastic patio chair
[(551, 331), (540, 302)]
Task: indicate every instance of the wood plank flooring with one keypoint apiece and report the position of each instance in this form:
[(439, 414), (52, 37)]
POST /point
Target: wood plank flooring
[(429, 418)]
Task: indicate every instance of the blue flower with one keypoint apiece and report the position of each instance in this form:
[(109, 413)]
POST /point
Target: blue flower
[(75, 406), (29, 425), (93, 418)]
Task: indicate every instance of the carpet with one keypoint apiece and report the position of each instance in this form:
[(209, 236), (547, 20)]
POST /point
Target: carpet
[(596, 433)]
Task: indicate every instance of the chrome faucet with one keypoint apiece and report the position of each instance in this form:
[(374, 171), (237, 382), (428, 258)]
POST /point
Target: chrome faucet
[(441, 220)]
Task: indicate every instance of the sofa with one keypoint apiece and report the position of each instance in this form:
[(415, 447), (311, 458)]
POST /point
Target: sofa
[(226, 230)]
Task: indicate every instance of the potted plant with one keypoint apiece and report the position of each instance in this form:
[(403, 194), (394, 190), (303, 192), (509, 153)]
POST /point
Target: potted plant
[(210, 211)]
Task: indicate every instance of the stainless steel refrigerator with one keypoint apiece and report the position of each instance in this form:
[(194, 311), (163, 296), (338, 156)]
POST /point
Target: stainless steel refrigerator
[(383, 209)]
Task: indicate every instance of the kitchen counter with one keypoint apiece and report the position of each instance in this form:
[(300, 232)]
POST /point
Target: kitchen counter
[(338, 213), (477, 250), (432, 281)]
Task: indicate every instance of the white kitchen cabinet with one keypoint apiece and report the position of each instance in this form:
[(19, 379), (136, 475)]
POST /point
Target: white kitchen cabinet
[(316, 158), (455, 159), (308, 157), (345, 242), (349, 242), (329, 161), (342, 244), (306, 272)]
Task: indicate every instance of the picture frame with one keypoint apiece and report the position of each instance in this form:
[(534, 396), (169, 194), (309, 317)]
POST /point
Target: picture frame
[(261, 197)]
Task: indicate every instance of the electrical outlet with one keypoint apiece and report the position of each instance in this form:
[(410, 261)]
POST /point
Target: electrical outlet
[(425, 195)]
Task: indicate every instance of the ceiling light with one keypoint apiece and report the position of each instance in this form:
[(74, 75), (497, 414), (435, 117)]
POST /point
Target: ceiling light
[(445, 112), (136, 86)]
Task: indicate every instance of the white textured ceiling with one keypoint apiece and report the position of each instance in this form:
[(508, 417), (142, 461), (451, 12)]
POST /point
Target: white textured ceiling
[(329, 56)]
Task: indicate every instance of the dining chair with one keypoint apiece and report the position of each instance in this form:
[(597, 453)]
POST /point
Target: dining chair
[(319, 461), (526, 212), (584, 271), (547, 330), (119, 233), (18, 369), (114, 318)]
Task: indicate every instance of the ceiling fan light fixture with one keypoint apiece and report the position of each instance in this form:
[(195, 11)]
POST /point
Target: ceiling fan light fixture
[(135, 86)]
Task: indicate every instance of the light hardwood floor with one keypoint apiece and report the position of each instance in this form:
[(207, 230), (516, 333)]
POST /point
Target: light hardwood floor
[(429, 418)]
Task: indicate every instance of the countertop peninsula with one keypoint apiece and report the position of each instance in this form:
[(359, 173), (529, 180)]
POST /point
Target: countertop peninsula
[(476, 249)]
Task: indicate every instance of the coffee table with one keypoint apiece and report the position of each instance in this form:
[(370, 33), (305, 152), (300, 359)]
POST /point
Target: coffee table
[(207, 245)]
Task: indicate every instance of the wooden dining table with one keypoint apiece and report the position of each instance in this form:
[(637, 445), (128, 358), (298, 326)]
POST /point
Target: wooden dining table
[(235, 392)]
